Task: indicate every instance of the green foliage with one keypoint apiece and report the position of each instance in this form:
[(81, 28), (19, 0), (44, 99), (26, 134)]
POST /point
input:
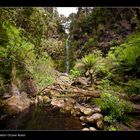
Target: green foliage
[(77, 70), (112, 128), (91, 60), (113, 107), (17, 45), (109, 119), (94, 64), (101, 27), (74, 73), (106, 85)]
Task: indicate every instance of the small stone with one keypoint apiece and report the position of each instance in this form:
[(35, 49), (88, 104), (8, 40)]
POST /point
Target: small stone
[(100, 124), (85, 129)]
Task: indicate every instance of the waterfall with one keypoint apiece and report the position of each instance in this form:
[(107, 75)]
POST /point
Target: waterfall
[(67, 54)]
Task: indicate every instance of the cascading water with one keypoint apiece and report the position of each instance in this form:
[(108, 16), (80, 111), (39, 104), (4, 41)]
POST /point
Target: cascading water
[(67, 54)]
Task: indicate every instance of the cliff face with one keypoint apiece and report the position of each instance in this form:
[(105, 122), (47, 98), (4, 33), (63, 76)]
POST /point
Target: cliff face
[(101, 29)]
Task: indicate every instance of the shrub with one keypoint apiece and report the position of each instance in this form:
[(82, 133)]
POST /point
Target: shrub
[(133, 87), (113, 107), (43, 71), (77, 70), (106, 85), (74, 73)]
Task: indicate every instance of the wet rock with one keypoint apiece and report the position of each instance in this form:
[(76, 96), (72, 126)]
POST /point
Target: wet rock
[(100, 124), (87, 111), (68, 105), (85, 129), (92, 129), (16, 104), (57, 102), (95, 117)]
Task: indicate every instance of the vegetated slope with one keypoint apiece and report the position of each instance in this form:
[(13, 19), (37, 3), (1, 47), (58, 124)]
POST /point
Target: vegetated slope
[(31, 48)]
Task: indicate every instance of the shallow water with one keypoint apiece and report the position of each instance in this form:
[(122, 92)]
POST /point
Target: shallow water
[(41, 118)]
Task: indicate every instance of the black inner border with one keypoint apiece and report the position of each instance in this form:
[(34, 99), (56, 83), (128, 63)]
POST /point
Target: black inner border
[(71, 3)]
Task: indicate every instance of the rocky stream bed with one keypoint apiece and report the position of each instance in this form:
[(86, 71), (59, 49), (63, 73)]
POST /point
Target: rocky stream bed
[(61, 106)]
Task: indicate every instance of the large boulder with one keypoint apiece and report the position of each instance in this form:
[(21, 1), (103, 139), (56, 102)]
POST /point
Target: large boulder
[(16, 104), (95, 117)]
